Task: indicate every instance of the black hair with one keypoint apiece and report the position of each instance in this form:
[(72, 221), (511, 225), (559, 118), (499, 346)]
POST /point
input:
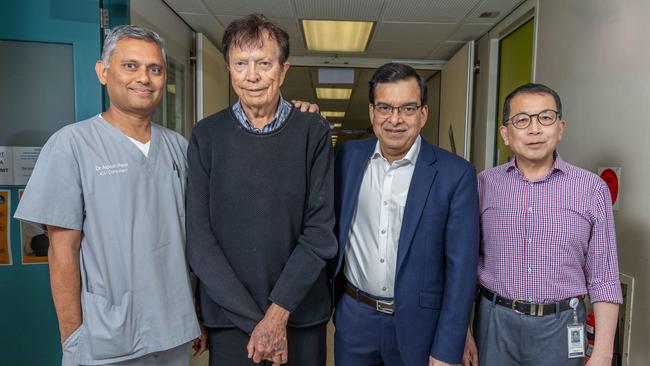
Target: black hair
[(531, 88), (392, 72)]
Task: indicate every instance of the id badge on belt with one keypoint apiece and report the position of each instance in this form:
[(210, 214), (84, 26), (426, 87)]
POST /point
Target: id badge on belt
[(575, 333)]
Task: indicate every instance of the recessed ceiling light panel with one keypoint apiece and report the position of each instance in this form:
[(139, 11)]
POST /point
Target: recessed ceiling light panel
[(337, 35)]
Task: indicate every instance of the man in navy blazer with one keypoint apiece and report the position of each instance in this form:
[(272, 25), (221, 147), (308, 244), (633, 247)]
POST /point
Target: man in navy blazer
[(408, 230)]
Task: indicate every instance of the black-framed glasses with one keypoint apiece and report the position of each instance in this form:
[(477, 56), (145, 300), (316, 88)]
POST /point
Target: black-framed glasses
[(406, 110), (522, 120)]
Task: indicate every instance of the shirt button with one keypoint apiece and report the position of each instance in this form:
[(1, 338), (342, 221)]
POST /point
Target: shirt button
[(530, 299), (530, 209), (529, 270), (383, 288), (385, 203), (383, 231), (530, 241), (381, 260)]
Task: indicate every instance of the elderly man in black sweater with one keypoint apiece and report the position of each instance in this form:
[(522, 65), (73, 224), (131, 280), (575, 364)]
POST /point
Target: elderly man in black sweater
[(260, 212)]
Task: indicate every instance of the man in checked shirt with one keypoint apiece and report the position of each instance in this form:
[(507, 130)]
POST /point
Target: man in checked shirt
[(547, 237)]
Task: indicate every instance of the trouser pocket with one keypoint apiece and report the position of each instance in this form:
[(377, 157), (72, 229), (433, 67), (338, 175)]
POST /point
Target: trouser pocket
[(111, 327)]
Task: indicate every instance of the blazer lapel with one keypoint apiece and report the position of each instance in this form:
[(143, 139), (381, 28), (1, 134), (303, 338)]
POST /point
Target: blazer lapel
[(423, 176)]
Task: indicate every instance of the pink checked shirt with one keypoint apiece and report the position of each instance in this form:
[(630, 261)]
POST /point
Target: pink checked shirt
[(548, 240)]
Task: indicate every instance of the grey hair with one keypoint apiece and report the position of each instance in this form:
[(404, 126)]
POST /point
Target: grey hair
[(130, 31)]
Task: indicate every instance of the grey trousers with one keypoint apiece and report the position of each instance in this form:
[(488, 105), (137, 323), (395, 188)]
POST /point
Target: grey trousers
[(505, 338), (178, 356)]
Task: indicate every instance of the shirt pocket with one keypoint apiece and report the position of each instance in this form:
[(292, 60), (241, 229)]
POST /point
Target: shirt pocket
[(111, 328)]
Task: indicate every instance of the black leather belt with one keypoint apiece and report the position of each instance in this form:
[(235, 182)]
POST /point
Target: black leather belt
[(382, 306), (525, 307)]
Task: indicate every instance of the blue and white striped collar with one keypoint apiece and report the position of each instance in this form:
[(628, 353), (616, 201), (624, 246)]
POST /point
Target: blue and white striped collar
[(281, 114)]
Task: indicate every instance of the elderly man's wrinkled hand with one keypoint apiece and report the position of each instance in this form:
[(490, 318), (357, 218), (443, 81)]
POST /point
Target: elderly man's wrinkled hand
[(269, 338)]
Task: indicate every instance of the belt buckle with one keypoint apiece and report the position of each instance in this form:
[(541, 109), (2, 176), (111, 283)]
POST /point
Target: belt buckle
[(514, 307), (535, 309), (385, 307)]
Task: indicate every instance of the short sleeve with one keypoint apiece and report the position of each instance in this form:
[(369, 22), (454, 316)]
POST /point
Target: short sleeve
[(53, 194)]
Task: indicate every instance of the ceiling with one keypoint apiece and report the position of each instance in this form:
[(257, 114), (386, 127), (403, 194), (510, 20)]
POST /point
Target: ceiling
[(405, 29), (424, 33)]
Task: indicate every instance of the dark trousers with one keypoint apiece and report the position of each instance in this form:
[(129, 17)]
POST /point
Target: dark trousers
[(307, 347), (364, 336), (505, 338)]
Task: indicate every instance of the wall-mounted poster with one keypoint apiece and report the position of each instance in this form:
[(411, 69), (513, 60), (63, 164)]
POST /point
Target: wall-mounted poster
[(17, 164), (33, 241), (6, 165), (5, 248)]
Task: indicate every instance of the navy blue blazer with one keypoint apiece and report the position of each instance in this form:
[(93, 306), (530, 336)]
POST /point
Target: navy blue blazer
[(437, 253)]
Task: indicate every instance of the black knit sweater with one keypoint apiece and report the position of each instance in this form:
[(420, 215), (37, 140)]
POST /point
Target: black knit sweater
[(260, 219)]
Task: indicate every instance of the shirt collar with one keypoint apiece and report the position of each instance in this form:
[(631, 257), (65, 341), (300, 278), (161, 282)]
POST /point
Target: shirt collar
[(410, 157), (281, 114), (559, 165)]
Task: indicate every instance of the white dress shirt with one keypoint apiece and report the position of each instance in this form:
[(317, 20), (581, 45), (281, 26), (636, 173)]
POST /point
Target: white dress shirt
[(371, 250)]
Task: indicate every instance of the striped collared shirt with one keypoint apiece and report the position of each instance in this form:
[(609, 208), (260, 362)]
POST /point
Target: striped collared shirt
[(547, 240), (281, 114)]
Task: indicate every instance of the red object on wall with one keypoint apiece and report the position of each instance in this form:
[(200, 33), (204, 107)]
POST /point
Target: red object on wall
[(610, 177)]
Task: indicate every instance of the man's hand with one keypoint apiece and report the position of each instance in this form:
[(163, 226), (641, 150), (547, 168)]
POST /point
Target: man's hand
[(470, 354), (200, 344), (305, 106), (269, 338), (434, 362), (596, 360)]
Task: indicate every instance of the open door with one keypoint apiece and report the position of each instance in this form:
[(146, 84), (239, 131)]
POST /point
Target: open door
[(48, 51), (456, 87)]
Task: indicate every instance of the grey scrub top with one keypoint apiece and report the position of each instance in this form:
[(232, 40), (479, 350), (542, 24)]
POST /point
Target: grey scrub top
[(136, 296)]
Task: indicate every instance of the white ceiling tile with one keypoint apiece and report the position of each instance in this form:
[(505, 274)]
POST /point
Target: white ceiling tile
[(468, 32), (275, 8), (408, 32), (504, 7), (441, 11), (339, 9), (187, 6), (391, 49), (205, 24)]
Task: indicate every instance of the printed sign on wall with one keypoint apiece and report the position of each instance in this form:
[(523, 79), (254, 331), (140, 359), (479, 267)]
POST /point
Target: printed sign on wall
[(17, 164)]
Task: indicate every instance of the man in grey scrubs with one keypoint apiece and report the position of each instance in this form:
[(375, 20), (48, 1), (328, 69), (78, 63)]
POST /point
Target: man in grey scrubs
[(110, 191)]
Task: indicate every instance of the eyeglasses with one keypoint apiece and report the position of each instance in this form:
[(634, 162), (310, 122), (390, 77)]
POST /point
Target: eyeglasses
[(385, 110), (522, 120)]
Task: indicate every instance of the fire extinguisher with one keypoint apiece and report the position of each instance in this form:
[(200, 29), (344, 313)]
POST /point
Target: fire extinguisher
[(590, 331)]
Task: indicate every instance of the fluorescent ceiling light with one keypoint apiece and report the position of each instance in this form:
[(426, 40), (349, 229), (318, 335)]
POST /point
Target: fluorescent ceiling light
[(337, 35), (332, 114), (333, 93), (338, 125)]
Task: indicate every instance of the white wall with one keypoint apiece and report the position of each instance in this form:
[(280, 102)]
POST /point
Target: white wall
[(215, 83), (595, 54), (430, 129)]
